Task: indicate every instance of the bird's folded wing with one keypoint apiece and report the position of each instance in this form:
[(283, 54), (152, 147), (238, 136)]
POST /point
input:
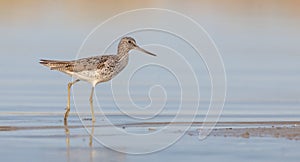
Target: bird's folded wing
[(85, 64)]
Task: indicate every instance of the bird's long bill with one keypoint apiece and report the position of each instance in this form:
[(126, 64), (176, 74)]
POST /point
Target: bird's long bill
[(142, 50)]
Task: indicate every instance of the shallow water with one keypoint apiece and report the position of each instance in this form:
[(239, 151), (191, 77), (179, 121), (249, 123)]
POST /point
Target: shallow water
[(262, 69), (257, 40), (35, 138)]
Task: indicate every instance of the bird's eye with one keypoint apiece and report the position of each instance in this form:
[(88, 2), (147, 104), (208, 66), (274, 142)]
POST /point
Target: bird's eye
[(129, 41)]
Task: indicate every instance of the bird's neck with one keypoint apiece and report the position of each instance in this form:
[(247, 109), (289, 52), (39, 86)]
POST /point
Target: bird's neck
[(122, 55), (122, 60), (122, 51)]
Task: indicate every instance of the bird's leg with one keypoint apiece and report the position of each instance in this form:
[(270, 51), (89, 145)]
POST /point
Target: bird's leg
[(91, 104), (68, 103)]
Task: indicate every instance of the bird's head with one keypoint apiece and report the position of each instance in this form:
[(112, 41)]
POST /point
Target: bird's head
[(127, 43)]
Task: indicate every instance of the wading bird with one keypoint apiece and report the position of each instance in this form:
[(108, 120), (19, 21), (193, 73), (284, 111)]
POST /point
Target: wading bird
[(95, 69)]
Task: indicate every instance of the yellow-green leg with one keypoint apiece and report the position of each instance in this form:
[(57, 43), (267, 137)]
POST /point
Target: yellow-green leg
[(68, 103), (91, 104)]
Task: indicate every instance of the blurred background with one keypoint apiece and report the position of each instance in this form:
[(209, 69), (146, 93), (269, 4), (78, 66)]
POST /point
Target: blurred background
[(257, 39)]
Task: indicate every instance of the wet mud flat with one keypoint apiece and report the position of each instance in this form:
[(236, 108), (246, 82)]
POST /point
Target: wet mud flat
[(275, 129)]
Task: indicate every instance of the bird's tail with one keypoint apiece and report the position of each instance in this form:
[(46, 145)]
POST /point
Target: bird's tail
[(55, 64)]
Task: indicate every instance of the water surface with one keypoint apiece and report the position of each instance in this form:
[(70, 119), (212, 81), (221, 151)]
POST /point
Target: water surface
[(258, 42)]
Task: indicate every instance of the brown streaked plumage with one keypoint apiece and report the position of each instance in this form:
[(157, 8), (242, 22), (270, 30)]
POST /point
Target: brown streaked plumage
[(95, 69)]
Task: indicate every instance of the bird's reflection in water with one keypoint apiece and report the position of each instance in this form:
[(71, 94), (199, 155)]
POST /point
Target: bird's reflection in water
[(91, 154), (92, 134), (91, 142), (67, 132)]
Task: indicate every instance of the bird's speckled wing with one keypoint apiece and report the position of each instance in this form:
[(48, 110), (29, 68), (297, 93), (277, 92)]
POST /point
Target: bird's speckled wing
[(95, 69), (80, 65), (93, 63)]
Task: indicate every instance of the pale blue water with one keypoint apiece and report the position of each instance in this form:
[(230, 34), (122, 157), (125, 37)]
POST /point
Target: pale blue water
[(259, 48)]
